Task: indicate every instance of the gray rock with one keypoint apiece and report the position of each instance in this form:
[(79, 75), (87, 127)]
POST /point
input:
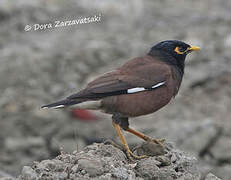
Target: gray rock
[(188, 176), (92, 166), (60, 176), (210, 176), (101, 162), (146, 169), (28, 173), (120, 173), (150, 149), (50, 165), (220, 171), (164, 161)]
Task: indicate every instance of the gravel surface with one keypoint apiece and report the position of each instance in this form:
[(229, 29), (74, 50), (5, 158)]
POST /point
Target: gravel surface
[(99, 161)]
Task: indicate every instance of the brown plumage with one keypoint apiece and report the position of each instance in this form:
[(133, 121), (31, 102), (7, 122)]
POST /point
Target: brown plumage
[(141, 86), (145, 102)]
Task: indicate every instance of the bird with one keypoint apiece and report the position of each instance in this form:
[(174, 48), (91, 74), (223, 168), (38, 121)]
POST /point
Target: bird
[(139, 87)]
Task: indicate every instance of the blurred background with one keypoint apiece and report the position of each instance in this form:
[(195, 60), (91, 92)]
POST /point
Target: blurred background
[(38, 67)]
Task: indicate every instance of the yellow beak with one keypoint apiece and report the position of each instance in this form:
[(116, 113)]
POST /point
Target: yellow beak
[(194, 48)]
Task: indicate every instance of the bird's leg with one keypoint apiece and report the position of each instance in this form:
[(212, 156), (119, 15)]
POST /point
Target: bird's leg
[(123, 122), (145, 137), (116, 121)]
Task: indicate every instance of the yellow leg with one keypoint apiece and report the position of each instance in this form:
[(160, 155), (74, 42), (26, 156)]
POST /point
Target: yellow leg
[(125, 144), (144, 137)]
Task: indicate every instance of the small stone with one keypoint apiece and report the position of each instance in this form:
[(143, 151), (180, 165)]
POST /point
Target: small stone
[(166, 174), (147, 168), (49, 164), (120, 173), (103, 177), (150, 149), (222, 171), (60, 176), (75, 168), (188, 176), (210, 176), (92, 166), (165, 161), (83, 172), (28, 173), (173, 158)]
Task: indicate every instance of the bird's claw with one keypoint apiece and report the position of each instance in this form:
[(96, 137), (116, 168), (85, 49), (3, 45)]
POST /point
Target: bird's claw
[(132, 157)]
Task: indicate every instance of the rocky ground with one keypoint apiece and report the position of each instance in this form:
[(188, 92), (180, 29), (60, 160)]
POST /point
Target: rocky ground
[(104, 162), (38, 67)]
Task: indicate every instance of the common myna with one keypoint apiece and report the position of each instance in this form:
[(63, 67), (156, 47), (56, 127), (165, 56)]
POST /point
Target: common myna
[(141, 86)]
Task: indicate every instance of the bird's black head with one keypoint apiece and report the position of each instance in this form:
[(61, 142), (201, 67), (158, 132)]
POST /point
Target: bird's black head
[(173, 52)]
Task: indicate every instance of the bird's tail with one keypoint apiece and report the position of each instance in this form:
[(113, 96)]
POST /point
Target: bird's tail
[(62, 103)]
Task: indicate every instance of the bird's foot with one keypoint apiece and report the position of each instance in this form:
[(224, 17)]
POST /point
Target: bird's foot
[(132, 157)]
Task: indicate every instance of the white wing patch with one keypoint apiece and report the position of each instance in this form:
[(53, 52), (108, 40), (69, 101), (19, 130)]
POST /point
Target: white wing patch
[(158, 85), (135, 90), (140, 89), (59, 106)]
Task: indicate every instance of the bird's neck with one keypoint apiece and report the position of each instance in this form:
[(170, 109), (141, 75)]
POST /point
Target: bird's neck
[(169, 59)]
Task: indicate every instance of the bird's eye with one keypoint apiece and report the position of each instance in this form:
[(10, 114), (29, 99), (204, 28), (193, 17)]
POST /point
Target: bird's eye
[(180, 50)]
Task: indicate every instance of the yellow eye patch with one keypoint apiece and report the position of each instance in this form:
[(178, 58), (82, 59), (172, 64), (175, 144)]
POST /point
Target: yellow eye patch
[(179, 52)]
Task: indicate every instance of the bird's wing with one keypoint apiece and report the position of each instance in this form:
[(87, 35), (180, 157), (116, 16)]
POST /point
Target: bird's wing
[(133, 77)]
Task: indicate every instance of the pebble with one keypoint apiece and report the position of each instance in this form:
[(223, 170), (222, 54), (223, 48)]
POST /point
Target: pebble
[(210, 176), (28, 173), (92, 166)]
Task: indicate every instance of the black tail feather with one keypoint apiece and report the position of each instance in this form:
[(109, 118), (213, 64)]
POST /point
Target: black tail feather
[(62, 103)]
